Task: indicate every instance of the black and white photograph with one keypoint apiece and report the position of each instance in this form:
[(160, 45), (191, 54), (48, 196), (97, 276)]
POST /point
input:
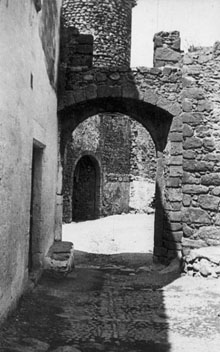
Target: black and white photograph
[(109, 175)]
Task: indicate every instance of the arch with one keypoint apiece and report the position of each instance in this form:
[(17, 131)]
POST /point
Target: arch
[(156, 115), (86, 188), (155, 119)]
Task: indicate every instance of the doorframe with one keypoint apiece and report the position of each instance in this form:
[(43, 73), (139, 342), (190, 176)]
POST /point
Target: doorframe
[(35, 206)]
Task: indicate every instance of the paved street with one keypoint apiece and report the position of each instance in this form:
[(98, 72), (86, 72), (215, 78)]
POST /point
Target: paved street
[(117, 308), (117, 302)]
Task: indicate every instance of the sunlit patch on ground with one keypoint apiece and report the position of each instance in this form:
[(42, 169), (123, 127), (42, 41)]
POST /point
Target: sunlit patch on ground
[(130, 233)]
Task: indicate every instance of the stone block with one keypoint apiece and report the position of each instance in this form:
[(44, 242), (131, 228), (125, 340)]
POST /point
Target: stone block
[(195, 189), (209, 202), (204, 58), (216, 49), (189, 154), (204, 105), (130, 91), (207, 232), (91, 91), (186, 200), (173, 182), (177, 124), (175, 137), (167, 54), (176, 160), (197, 166), (209, 144), (192, 143), (60, 259), (212, 179), (190, 179), (187, 105), (203, 131), (173, 226), (175, 171), (196, 216), (176, 44), (174, 194), (187, 59), (79, 95), (100, 77), (187, 242), (217, 220), (175, 109), (115, 76), (176, 148), (88, 77), (108, 91), (188, 231), (193, 118), (211, 157), (173, 206), (188, 81), (192, 93), (174, 216), (216, 191), (149, 96), (187, 131)]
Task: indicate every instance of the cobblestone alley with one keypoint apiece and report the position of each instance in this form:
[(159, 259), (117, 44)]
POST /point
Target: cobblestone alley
[(118, 302)]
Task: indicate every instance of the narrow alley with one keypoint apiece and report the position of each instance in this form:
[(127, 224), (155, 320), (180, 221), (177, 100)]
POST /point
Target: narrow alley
[(116, 302)]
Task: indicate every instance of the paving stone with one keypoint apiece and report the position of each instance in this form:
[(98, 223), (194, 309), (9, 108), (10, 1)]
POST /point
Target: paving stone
[(66, 349)]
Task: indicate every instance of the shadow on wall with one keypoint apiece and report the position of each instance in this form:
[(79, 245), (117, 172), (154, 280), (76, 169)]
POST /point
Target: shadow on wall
[(85, 91)]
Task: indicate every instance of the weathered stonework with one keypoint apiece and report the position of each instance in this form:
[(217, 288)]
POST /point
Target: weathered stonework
[(108, 22), (201, 70), (126, 158), (177, 102)]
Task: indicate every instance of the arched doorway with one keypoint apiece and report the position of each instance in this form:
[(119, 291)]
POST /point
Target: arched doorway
[(86, 188), (165, 129)]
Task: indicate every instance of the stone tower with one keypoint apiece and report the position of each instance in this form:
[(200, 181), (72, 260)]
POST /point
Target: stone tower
[(106, 24)]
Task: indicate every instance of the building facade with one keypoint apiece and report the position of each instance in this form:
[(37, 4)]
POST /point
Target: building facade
[(29, 140)]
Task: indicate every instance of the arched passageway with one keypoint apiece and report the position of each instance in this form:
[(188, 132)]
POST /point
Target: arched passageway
[(163, 126), (86, 188)]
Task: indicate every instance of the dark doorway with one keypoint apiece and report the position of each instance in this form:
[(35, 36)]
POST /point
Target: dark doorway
[(86, 188), (35, 209)]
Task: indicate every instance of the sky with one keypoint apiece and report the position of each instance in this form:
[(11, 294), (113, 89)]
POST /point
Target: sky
[(197, 20)]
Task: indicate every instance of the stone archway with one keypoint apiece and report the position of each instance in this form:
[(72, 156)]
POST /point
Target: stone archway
[(164, 129), (86, 189)]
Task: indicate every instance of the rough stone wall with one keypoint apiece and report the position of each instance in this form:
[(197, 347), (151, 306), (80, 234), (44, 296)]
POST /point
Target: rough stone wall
[(201, 146), (143, 166), (85, 141), (115, 146), (167, 49), (186, 88), (123, 148), (150, 96), (109, 22), (28, 113)]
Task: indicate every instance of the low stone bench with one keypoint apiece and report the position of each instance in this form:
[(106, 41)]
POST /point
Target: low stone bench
[(60, 259), (203, 261)]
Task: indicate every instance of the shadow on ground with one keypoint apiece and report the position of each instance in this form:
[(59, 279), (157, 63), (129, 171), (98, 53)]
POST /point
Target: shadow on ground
[(108, 303)]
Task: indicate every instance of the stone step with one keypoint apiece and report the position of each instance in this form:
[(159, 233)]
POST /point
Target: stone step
[(59, 260)]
